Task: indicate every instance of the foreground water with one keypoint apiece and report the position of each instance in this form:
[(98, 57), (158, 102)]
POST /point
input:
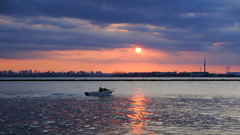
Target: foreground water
[(136, 107)]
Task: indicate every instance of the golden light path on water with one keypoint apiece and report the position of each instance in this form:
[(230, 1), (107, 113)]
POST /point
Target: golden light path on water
[(138, 117)]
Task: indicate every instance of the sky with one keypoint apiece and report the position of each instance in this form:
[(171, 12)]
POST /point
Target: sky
[(102, 35)]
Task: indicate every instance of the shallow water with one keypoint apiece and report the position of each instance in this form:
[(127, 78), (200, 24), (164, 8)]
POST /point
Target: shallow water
[(134, 108)]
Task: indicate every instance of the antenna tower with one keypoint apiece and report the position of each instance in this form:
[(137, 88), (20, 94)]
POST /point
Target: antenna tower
[(204, 64)]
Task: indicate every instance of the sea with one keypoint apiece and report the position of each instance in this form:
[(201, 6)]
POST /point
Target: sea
[(136, 107)]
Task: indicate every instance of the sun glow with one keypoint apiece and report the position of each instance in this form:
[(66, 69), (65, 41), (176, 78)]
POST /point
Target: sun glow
[(138, 49)]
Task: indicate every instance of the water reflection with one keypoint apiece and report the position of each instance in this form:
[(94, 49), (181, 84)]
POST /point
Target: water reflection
[(138, 117), (135, 114)]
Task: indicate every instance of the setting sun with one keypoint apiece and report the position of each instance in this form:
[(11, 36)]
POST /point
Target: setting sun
[(138, 49)]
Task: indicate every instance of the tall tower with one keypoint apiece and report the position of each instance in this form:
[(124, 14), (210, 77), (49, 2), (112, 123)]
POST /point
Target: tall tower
[(204, 64), (227, 69)]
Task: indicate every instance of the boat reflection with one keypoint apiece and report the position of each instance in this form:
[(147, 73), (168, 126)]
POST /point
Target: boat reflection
[(138, 117)]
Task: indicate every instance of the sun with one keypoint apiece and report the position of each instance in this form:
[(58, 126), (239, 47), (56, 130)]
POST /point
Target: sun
[(138, 49)]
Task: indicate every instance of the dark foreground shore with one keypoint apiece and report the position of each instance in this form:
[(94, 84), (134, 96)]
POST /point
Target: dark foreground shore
[(120, 79)]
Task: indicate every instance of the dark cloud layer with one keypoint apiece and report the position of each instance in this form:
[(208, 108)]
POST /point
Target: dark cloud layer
[(161, 13), (172, 26)]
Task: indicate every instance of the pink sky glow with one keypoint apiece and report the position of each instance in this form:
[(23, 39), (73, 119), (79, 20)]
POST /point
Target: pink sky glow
[(108, 61)]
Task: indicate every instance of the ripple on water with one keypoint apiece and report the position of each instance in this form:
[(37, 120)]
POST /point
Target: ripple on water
[(120, 115)]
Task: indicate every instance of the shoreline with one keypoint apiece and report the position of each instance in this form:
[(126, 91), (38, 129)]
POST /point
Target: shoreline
[(124, 79)]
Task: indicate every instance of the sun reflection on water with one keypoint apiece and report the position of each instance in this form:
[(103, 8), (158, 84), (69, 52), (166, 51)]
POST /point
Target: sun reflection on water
[(138, 117)]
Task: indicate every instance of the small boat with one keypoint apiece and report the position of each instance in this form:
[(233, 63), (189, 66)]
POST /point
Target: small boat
[(100, 92)]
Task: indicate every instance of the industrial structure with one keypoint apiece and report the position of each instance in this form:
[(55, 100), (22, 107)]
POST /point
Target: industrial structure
[(204, 64)]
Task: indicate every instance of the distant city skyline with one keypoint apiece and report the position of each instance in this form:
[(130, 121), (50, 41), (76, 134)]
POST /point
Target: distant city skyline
[(129, 36), (30, 73), (179, 68), (227, 69)]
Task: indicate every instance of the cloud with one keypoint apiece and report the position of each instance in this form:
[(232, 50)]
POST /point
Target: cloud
[(174, 14), (219, 43), (168, 26)]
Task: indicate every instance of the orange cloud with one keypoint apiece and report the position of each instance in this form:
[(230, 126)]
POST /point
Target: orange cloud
[(219, 43), (126, 55)]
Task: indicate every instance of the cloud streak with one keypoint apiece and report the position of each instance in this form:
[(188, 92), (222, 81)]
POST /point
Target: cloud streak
[(203, 27)]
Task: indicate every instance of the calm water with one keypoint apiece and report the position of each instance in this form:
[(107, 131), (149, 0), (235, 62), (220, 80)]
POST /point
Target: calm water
[(136, 107)]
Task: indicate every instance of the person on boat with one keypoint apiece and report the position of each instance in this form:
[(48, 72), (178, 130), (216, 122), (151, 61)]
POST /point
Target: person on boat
[(104, 89), (100, 89)]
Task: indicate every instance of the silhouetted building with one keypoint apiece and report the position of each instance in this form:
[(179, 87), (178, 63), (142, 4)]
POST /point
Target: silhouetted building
[(200, 73), (233, 73), (164, 73), (185, 73)]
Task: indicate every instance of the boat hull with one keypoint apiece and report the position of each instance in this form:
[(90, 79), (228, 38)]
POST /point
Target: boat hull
[(98, 93)]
